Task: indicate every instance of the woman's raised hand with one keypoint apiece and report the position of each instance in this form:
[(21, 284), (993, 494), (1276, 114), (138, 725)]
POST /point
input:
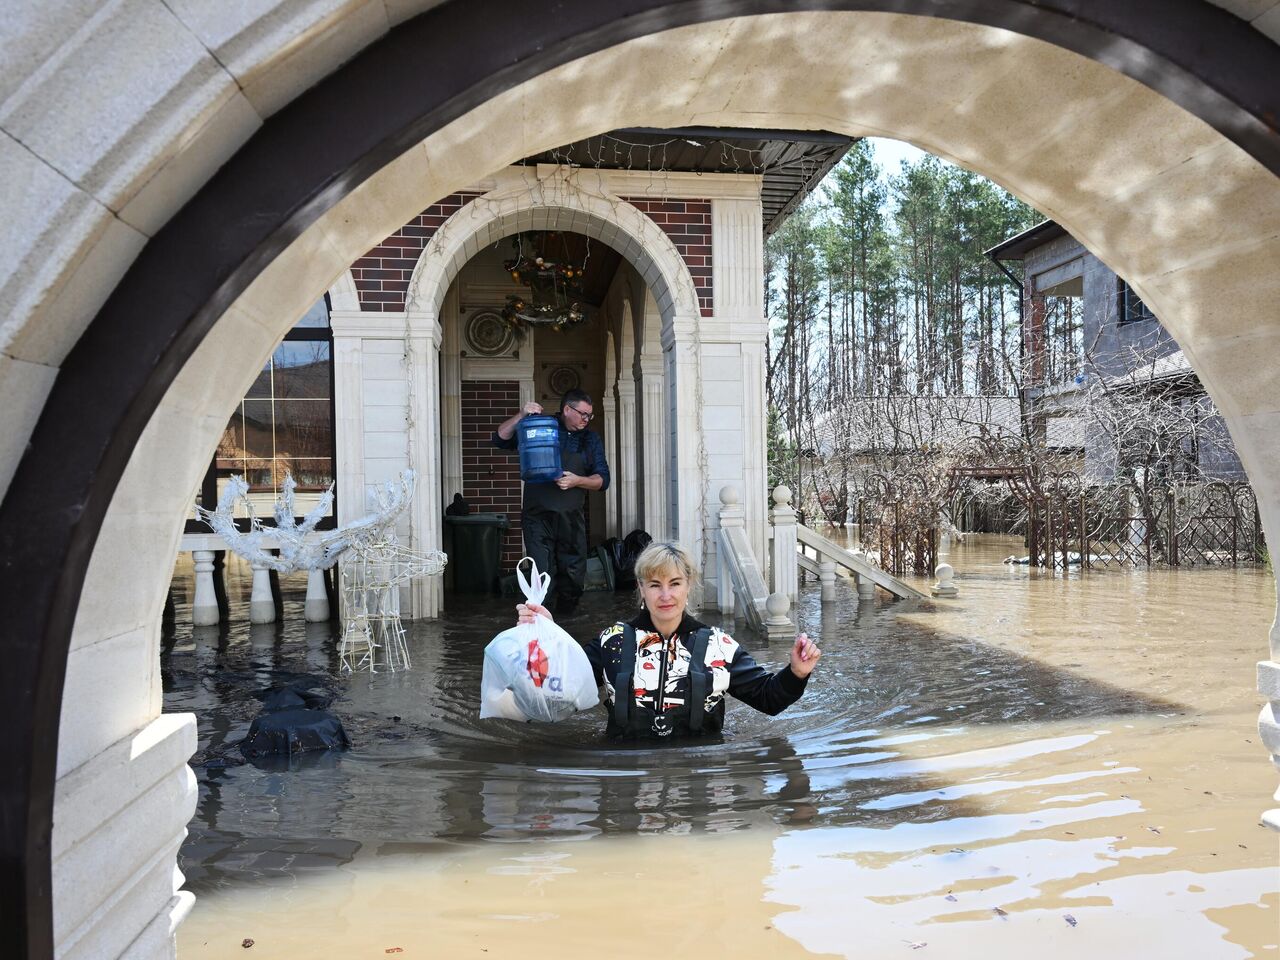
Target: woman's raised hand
[(804, 656), (527, 612)]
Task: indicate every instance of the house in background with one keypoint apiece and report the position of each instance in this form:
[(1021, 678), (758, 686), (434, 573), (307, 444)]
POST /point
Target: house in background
[(411, 362), (1094, 353)]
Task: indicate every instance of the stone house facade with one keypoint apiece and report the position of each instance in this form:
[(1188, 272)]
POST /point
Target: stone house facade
[(1084, 329)]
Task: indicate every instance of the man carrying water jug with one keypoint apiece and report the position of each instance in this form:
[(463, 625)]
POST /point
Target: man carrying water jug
[(554, 516)]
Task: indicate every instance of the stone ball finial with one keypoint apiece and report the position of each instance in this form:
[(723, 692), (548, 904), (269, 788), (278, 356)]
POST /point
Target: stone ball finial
[(945, 587), (781, 494), (729, 495), (778, 604)]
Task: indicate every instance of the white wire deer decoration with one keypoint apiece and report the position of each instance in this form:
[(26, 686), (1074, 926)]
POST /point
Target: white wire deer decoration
[(372, 631)]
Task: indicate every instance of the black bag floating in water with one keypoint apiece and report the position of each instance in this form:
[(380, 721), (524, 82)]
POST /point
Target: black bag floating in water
[(294, 731), (623, 553), (292, 722)]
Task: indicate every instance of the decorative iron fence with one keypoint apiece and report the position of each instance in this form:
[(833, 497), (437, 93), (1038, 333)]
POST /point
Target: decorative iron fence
[(904, 523), (1212, 524)]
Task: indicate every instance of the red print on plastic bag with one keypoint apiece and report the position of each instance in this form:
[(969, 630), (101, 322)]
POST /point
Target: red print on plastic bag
[(537, 663)]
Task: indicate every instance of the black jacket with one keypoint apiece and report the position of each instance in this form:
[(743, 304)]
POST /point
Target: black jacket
[(660, 687)]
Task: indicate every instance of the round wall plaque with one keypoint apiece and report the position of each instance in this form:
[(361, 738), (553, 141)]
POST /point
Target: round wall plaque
[(563, 379), (488, 335)]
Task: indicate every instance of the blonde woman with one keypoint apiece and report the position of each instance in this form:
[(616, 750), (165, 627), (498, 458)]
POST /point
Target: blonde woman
[(665, 674)]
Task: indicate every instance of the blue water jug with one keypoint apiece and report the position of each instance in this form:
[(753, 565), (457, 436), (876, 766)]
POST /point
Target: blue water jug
[(539, 442)]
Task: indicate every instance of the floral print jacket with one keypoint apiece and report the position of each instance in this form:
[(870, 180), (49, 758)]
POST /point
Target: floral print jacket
[(662, 684)]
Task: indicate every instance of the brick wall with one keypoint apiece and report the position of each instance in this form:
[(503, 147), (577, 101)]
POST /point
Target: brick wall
[(382, 275), (687, 223), (491, 477)]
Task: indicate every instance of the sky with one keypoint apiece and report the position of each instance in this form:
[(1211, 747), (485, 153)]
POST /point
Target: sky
[(891, 153)]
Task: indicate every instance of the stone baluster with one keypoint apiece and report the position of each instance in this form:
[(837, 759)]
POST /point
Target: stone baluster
[(262, 605), (316, 607), (730, 516), (866, 586), (783, 565), (204, 605), (827, 576), (778, 625)]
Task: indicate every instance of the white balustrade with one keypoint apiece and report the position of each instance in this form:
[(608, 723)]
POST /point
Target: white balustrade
[(786, 579), (315, 609), (204, 605), (731, 516), (827, 577), (262, 605)]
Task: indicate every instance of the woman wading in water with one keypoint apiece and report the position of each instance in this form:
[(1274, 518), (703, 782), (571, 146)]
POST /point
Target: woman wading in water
[(665, 674)]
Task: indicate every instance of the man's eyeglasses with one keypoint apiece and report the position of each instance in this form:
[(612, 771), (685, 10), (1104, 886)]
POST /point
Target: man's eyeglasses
[(585, 416)]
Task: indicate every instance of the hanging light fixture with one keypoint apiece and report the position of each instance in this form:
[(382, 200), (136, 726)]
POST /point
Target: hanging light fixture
[(555, 297)]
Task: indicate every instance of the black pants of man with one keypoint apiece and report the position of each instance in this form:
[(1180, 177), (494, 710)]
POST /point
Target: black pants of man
[(557, 542)]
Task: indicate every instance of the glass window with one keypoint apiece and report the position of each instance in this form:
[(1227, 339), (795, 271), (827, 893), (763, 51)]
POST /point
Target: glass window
[(1064, 338), (283, 426), (1132, 309)]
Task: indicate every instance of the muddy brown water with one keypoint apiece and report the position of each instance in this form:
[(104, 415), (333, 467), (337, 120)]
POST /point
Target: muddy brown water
[(1047, 765)]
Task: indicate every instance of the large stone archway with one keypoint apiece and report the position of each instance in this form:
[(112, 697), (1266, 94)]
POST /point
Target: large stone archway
[(1185, 205)]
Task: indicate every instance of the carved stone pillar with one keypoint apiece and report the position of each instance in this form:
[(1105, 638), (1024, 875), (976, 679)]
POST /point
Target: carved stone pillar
[(609, 427), (627, 470), (656, 454)]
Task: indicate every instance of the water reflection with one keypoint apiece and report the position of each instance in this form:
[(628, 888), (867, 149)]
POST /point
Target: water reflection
[(1010, 749)]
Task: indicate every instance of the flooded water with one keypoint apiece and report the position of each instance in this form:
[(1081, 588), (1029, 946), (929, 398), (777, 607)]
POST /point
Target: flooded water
[(1047, 766)]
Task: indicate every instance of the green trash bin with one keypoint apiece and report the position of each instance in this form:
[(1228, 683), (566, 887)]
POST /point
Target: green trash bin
[(475, 550)]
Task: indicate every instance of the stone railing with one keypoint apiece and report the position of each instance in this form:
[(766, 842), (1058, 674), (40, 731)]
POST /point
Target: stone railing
[(206, 610), (792, 544), (740, 584)]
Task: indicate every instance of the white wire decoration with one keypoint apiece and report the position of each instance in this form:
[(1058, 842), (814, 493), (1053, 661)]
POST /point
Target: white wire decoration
[(372, 631), (299, 546)]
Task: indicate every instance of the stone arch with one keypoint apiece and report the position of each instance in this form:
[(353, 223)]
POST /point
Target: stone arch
[(561, 205), (1199, 249)]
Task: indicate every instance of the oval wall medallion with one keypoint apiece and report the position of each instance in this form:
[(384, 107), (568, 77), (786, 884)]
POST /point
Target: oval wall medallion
[(488, 335), (564, 379)]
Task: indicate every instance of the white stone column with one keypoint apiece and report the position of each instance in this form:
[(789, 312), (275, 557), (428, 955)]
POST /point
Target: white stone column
[(827, 577), (348, 416), (204, 604), (423, 418), (783, 565), (609, 419), (628, 509), (450, 399), (730, 516), (651, 379), (686, 482), (262, 605), (738, 297), (316, 607), (755, 456)]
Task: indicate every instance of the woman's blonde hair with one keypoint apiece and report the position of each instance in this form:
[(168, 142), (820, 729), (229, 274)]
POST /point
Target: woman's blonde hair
[(661, 556)]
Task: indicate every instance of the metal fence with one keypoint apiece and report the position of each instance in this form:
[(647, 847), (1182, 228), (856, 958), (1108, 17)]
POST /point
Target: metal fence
[(1209, 524), (904, 526)]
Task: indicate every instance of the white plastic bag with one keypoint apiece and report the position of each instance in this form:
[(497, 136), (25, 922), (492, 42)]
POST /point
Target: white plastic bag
[(535, 671)]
